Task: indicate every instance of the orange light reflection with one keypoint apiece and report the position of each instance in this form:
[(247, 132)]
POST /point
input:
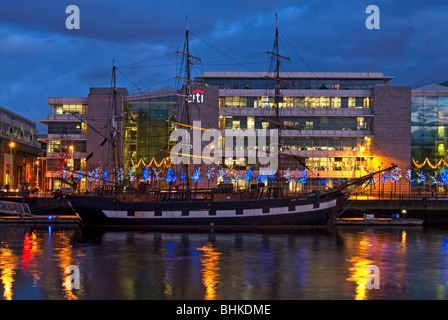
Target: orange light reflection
[(8, 263), (359, 275), (210, 270)]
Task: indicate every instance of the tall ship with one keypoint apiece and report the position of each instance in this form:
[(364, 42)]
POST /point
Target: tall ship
[(261, 204)]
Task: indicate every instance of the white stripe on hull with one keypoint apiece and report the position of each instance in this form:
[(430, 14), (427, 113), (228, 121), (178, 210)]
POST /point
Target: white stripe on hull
[(219, 213)]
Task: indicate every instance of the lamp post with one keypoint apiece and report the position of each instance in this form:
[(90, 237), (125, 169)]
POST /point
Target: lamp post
[(37, 173), (361, 161), (72, 150), (11, 146)]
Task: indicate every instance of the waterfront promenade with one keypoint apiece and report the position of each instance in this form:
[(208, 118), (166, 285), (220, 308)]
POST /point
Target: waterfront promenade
[(433, 208)]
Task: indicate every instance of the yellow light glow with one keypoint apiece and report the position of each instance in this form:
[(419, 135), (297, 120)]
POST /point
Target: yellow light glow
[(8, 264), (210, 270), (359, 275)]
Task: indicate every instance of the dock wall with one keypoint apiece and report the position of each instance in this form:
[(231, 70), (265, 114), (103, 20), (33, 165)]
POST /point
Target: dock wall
[(433, 211)]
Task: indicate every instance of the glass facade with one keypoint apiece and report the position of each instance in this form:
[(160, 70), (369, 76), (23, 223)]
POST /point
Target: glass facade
[(429, 131), (334, 144), (67, 128), (326, 143), (146, 130), (339, 164), (62, 145), (295, 102), (303, 123)]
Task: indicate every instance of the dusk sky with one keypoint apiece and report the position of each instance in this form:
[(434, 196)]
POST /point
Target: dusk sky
[(41, 58)]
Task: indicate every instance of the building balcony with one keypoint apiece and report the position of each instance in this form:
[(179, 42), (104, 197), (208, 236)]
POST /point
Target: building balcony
[(334, 174), (66, 117), (296, 92), (58, 155), (310, 153), (305, 133), (327, 133), (62, 136)]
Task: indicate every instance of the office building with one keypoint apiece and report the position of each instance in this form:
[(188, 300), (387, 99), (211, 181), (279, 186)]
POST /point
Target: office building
[(343, 124), (19, 149), (430, 128)]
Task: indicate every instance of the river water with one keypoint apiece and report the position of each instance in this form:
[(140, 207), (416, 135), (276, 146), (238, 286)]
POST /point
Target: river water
[(406, 263)]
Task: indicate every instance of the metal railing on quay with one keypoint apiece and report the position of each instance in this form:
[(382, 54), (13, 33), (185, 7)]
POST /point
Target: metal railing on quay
[(399, 196)]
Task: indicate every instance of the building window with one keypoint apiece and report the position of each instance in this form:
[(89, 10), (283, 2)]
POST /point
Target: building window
[(250, 123), (300, 102), (70, 108), (61, 146), (326, 143), (147, 133), (429, 130), (67, 128)]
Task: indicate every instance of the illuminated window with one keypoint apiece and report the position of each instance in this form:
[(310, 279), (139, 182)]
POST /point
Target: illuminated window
[(70, 108), (250, 123), (336, 102)]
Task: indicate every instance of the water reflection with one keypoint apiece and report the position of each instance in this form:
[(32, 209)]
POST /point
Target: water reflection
[(34, 255), (325, 264), (30, 249), (210, 270), (360, 275), (358, 269), (8, 265)]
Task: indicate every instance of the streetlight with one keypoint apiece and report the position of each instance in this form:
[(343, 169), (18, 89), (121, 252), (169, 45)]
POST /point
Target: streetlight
[(361, 160), (72, 150), (37, 173), (11, 146)]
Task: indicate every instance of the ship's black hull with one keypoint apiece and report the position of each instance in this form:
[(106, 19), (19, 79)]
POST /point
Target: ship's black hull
[(294, 211)]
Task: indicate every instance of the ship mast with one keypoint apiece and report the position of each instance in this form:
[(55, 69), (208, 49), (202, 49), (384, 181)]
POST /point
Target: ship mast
[(115, 122), (276, 57), (188, 82)]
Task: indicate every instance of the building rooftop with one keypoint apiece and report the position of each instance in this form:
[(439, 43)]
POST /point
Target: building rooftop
[(107, 91), (305, 75), (433, 87), (32, 124)]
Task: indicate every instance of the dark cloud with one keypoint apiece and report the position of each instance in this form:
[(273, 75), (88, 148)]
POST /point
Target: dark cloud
[(39, 57)]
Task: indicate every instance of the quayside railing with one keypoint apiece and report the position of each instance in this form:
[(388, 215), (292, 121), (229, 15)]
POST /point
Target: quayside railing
[(14, 208)]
